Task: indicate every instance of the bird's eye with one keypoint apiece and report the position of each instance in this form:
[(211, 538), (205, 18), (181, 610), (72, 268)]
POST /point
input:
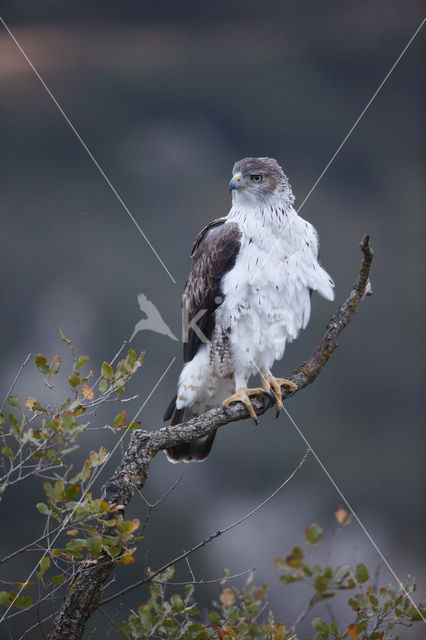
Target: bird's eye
[(257, 178)]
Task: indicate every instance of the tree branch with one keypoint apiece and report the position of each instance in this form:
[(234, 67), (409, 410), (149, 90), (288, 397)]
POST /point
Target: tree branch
[(84, 593), (150, 577)]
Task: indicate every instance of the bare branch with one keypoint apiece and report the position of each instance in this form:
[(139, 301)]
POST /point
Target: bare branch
[(185, 554), (29, 545), (15, 381), (204, 580), (84, 596), (311, 602), (34, 626)]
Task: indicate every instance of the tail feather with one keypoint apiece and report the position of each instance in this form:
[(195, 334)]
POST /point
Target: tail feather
[(170, 409), (194, 451)]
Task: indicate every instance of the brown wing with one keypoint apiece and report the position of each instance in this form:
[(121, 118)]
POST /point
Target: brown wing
[(214, 253)]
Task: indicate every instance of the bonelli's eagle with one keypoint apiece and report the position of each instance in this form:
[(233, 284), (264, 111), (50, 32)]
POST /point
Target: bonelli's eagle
[(247, 295)]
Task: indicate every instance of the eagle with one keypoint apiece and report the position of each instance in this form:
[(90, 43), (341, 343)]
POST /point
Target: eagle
[(248, 294)]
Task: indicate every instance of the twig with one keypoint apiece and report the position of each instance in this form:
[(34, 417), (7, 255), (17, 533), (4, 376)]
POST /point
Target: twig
[(164, 496), (29, 545), (111, 621), (35, 625), (312, 600), (48, 596), (155, 504), (190, 570), (14, 381), (376, 577), (203, 580), (198, 546)]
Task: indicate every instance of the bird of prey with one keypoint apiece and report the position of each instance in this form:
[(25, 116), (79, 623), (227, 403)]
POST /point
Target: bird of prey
[(248, 294)]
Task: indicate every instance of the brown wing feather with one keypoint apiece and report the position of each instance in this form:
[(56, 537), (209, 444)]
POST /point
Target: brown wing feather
[(214, 253)]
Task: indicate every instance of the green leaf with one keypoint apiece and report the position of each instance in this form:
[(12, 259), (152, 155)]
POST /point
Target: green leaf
[(23, 585), (119, 419), (55, 366), (59, 489), (314, 534), (133, 425), (103, 386), (57, 580), (49, 491), (361, 573), (146, 620), (5, 598), (74, 380), (94, 546), (334, 628), (82, 360), (14, 424), (68, 421), (23, 603), (416, 615), (7, 451), (13, 402), (373, 600), (321, 583), (112, 550), (44, 564), (320, 625), (75, 545), (72, 492), (214, 617), (42, 364), (295, 558), (177, 603), (127, 526), (354, 604), (43, 508), (189, 590), (107, 371)]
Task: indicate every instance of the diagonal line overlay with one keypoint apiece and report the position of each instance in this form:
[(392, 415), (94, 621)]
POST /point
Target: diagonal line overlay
[(345, 139), (354, 514), (348, 505), (86, 148), (92, 480), (361, 115)]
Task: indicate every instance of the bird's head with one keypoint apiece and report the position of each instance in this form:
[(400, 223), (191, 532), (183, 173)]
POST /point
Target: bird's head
[(258, 180)]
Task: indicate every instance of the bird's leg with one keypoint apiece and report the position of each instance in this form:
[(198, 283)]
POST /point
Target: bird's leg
[(243, 395), (270, 382)]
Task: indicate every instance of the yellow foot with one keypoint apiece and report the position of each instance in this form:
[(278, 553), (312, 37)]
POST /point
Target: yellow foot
[(243, 395), (271, 383)]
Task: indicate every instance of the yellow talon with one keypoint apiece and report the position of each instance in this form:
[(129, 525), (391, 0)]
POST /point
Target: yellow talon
[(271, 382), (243, 395)]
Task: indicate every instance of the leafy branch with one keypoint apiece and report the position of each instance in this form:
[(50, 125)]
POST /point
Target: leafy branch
[(130, 476), (244, 613), (86, 536)]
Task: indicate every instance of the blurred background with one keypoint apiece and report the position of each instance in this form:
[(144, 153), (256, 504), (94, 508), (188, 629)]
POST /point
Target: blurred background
[(168, 96)]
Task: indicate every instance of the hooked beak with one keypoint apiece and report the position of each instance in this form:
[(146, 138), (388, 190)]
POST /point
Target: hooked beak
[(235, 182)]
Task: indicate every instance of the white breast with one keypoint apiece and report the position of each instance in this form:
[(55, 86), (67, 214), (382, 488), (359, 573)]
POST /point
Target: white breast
[(267, 293)]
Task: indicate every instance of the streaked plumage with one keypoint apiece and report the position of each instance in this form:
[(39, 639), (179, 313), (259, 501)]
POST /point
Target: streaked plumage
[(252, 274)]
